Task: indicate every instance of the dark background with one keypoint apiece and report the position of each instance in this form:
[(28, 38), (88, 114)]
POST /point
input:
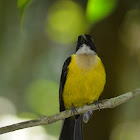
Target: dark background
[(35, 39)]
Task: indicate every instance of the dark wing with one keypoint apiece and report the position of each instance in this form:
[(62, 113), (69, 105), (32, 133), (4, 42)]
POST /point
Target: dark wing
[(62, 82)]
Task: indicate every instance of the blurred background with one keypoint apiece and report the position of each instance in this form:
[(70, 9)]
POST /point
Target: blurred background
[(36, 36)]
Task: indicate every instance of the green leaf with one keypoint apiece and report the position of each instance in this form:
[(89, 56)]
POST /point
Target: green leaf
[(22, 4), (99, 9)]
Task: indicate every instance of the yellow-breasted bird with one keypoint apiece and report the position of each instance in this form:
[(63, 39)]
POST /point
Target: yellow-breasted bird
[(82, 82)]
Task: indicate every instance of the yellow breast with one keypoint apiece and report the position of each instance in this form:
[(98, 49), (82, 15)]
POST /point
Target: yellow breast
[(85, 80)]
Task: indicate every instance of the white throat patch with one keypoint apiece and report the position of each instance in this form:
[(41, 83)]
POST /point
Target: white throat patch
[(84, 49)]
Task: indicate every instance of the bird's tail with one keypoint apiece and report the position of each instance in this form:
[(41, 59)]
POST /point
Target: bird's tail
[(72, 129)]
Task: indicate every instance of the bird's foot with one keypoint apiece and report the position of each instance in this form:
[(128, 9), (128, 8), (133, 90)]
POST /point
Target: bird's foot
[(97, 103), (73, 110)]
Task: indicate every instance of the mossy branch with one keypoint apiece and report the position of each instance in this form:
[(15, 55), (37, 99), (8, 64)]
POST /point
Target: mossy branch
[(45, 120)]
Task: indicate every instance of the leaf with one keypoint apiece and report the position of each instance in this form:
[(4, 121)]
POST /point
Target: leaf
[(99, 9), (22, 4)]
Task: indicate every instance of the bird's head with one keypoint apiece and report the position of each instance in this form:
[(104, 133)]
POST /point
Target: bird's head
[(85, 45)]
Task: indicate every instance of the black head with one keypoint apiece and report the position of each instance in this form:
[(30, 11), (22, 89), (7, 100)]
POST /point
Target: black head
[(85, 39)]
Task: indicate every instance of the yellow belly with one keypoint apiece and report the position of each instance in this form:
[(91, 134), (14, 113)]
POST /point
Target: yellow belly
[(85, 81)]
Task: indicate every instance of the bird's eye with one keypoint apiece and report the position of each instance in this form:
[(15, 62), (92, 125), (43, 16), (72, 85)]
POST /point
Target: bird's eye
[(89, 38)]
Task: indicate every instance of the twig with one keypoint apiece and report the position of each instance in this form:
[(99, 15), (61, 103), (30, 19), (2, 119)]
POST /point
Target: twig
[(44, 120)]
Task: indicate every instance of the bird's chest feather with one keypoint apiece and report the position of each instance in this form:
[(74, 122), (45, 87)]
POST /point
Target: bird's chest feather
[(85, 80)]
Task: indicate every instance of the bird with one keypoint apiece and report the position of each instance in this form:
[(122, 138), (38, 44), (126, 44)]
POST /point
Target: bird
[(82, 81)]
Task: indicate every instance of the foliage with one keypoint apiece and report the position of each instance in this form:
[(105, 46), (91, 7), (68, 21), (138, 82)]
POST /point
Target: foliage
[(99, 9), (22, 5)]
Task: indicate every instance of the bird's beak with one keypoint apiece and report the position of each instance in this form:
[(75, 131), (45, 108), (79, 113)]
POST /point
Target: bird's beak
[(83, 38)]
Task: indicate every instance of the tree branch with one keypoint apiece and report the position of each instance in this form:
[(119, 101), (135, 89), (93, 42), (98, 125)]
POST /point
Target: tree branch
[(44, 120)]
